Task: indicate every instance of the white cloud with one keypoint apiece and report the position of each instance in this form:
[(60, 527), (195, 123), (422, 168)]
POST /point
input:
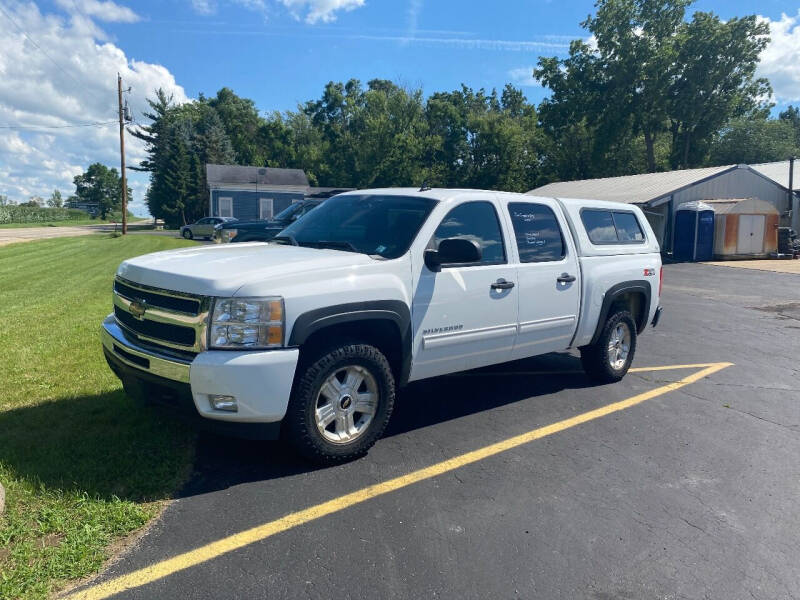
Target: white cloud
[(523, 76), (414, 8), (780, 61), (321, 10), (312, 11), (102, 11), (73, 84), (204, 7)]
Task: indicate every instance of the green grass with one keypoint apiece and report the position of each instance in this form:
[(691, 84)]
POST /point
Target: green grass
[(71, 223), (82, 464)]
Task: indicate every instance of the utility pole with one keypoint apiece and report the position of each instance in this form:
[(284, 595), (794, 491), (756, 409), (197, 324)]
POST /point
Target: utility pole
[(122, 158)]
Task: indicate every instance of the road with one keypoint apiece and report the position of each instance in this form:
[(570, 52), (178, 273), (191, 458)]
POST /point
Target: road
[(689, 494), (29, 234)]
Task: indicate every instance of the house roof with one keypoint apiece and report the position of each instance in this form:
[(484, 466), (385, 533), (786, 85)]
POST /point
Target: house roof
[(237, 174), (779, 172), (632, 189)]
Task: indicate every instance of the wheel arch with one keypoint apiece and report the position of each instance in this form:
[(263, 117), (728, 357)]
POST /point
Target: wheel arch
[(635, 295), (386, 324)]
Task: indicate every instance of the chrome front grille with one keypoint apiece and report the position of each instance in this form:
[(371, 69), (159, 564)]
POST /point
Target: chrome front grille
[(164, 318)]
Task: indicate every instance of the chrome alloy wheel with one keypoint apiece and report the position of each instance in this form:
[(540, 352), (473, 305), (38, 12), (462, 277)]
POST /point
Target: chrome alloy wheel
[(346, 403), (619, 345)]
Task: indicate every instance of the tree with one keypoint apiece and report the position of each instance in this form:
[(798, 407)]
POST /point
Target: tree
[(4, 200), (792, 116), (751, 141), (649, 73), (714, 81), (102, 186), (55, 200)]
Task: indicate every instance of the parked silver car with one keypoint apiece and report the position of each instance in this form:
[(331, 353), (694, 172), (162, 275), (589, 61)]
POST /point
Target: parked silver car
[(204, 227)]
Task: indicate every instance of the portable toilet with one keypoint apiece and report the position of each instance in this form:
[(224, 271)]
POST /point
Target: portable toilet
[(694, 232)]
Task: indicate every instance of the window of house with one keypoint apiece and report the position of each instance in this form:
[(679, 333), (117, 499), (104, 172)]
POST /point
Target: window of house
[(265, 208), (536, 229), (475, 221), (225, 207)]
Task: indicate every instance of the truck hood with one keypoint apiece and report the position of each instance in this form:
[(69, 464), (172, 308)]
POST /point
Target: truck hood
[(221, 270)]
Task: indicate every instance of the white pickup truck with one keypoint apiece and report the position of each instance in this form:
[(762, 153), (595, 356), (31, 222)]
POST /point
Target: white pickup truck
[(309, 336)]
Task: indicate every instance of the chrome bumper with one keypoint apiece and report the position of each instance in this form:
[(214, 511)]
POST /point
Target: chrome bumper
[(140, 358)]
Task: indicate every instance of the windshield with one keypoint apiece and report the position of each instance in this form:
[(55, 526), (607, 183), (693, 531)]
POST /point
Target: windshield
[(286, 214), (370, 224)]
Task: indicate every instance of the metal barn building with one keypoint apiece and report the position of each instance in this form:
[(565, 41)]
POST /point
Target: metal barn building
[(659, 194)]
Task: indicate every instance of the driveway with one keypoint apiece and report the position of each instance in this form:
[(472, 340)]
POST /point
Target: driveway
[(674, 483)]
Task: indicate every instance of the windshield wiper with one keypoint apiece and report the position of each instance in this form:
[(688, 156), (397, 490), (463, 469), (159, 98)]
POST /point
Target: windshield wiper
[(285, 238), (336, 245)]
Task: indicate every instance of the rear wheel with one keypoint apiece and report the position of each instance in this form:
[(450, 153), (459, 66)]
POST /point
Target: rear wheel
[(187, 233), (609, 359), (341, 403)]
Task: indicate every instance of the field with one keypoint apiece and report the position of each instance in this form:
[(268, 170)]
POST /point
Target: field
[(72, 222), (83, 466)]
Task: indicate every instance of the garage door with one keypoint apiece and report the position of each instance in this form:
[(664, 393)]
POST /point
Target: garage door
[(751, 234)]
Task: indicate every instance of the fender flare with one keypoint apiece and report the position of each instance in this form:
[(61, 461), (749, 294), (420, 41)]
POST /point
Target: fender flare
[(394, 311), (613, 293)]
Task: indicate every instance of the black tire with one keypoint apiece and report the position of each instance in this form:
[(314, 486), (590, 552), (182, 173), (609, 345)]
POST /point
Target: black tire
[(597, 358), (300, 424), (187, 234)]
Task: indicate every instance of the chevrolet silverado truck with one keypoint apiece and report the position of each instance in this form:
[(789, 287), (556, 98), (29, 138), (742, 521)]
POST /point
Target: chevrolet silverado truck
[(308, 337)]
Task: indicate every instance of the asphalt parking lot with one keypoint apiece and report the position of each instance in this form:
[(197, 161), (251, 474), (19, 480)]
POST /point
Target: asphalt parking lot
[(688, 493)]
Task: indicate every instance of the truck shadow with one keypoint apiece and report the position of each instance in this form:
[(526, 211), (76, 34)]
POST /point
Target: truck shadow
[(105, 446), (225, 462), (109, 446)]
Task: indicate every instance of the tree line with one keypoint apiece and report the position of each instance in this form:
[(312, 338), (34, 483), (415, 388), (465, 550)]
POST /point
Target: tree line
[(649, 90)]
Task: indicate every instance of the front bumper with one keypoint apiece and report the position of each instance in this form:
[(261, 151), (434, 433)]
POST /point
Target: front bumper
[(261, 381)]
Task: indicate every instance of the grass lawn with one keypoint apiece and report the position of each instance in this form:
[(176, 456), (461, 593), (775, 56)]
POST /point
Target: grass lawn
[(82, 464), (71, 223)]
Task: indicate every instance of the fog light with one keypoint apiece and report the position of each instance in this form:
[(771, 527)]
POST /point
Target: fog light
[(226, 403)]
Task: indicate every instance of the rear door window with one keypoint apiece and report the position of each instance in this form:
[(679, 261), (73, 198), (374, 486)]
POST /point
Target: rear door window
[(536, 229), (612, 227)]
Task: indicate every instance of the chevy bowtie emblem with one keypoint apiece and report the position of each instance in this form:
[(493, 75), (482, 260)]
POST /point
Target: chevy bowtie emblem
[(137, 308)]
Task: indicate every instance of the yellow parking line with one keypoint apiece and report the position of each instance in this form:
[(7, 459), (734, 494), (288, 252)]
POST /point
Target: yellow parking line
[(671, 367), (239, 540)]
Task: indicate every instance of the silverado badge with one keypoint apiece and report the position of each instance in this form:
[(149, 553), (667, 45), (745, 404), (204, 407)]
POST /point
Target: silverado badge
[(137, 308)]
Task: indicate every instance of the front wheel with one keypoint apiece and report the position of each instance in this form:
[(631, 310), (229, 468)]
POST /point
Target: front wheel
[(609, 359), (341, 403), (187, 233)]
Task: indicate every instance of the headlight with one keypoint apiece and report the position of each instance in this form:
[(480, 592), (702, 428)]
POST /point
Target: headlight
[(229, 234), (251, 323)]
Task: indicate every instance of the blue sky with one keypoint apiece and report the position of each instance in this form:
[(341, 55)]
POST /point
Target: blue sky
[(278, 60), (59, 60)]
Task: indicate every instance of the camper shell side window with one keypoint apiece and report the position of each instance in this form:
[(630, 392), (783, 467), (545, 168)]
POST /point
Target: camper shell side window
[(605, 226)]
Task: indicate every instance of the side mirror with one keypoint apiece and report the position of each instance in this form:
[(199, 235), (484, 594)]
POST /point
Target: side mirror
[(453, 251)]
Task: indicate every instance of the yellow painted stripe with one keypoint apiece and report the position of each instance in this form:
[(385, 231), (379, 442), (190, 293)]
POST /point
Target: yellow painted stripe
[(239, 540), (671, 367)]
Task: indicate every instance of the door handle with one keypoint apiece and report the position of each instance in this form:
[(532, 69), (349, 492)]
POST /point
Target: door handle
[(502, 284), (566, 278)]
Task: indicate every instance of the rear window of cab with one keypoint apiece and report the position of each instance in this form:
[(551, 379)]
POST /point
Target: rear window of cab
[(612, 226)]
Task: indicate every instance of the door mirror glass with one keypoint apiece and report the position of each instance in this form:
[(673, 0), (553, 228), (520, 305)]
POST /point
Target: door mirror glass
[(459, 251)]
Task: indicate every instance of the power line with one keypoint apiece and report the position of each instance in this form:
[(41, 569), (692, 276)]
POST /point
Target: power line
[(96, 124)]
